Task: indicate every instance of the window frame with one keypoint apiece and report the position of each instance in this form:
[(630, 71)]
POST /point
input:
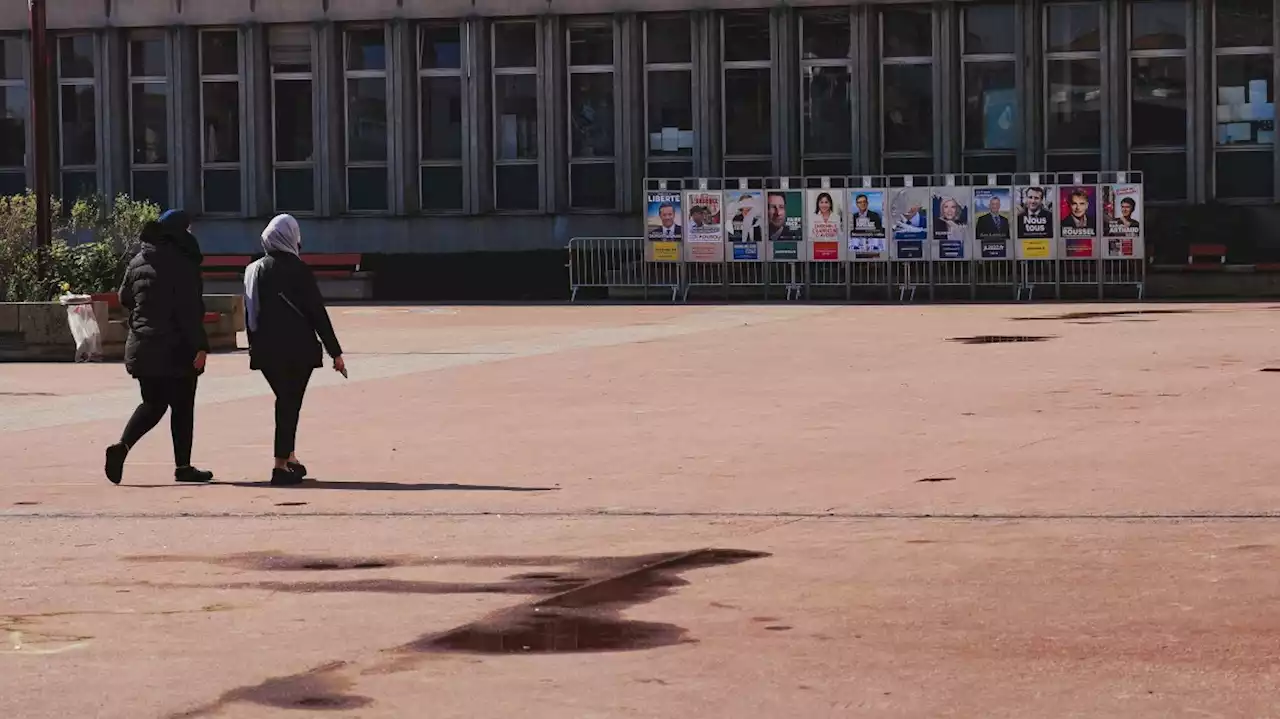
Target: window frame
[(1050, 57), (463, 74), (1215, 54), (929, 61), (806, 64), (611, 71), (23, 82), (348, 75), (133, 81), (317, 138), (214, 78), (989, 58), (1188, 58), (535, 71), (727, 65), (61, 83), (683, 67)]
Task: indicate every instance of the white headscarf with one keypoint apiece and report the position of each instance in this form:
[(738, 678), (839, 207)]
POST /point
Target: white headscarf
[(282, 235)]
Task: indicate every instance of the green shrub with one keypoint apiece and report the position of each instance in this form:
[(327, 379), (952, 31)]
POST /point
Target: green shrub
[(88, 267)]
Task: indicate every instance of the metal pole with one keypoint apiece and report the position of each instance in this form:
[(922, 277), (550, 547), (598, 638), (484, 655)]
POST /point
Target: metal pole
[(40, 122)]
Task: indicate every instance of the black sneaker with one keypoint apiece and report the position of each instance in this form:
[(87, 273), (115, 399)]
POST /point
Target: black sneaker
[(116, 454), (285, 478), (298, 468), (191, 475)]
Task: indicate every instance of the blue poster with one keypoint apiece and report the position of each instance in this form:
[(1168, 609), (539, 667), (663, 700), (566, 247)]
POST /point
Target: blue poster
[(746, 251), (1000, 119)]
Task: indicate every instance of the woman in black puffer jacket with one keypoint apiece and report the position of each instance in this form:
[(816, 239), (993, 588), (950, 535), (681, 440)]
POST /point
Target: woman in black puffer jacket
[(167, 344)]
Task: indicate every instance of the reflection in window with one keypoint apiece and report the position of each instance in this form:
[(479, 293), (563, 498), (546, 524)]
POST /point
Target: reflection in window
[(908, 108), (516, 127), (1158, 113), (1242, 23), (77, 117), (907, 32), (149, 118), (1073, 28), (668, 95), (1244, 74), (289, 52), (991, 118), (826, 92), (989, 29), (220, 180), (440, 117), (1159, 102), (747, 90), (1073, 73), (592, 176), (1159, 25)]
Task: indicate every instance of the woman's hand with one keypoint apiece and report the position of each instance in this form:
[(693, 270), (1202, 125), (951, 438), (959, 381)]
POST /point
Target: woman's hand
[(340, 365), (199, 361)]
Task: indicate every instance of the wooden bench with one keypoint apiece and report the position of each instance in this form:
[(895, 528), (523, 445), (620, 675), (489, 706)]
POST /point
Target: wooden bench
[(225, 267), (339, 274), (1207, 256)]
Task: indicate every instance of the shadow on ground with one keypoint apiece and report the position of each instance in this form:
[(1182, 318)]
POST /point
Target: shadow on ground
[(362, 486)]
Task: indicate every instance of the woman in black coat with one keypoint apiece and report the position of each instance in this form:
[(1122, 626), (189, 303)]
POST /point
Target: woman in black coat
[(285, 313), (167, 344)]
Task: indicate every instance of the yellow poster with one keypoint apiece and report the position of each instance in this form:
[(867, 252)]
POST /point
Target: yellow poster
[(1035, 249), (666, 251)]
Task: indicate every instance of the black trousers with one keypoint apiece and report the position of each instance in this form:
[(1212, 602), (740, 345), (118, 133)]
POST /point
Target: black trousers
[(178, 396), (290, 386)]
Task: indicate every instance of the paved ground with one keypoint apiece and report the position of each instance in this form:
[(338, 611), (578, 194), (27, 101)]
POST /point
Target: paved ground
[(748, 511)]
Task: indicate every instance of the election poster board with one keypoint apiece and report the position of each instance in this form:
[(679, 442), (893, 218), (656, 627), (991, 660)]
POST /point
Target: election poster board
[(705, 232), (825, 224), (1035, 224), (909, 222), (1078, 221), (993, 223), (951, 222), (745, 225), (1122, 222), (867, 230), (784, 210), (664, 228)]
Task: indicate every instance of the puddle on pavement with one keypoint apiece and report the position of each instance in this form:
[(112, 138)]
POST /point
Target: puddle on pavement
[(587, 618), (1101, 315), (998, 339), (936, 479)]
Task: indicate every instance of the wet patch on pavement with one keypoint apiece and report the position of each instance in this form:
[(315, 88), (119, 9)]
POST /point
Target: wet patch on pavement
[(321, 689), (1100, 315), (998, 339)]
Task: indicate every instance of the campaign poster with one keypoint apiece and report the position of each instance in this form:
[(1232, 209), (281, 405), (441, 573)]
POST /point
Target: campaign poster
[(784, 210), (993, 228), (1078, 220), (745, 228), (1035, 224), (705, 233), (826, 223), (1122, 221), (663, 225), (909, 222), (866, 225), (951, 222)]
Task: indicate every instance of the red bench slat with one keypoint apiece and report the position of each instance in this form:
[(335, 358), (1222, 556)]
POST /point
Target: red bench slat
[(332, 260), (227, 261)]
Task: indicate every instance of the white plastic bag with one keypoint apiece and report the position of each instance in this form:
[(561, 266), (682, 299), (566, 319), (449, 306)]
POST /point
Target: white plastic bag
[(84, 327)]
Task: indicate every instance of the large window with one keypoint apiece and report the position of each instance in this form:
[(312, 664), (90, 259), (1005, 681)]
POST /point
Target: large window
[(220, 159), (14, 110), (748, 103), (516, 122), (991, 120), (1244, 70), (149, 116), (668, 58), (1158, 116), (1073, 86), (441, 117), (290, 52), (826, 91), (365, 74), (906, 90), (77, 117), (592, 146)]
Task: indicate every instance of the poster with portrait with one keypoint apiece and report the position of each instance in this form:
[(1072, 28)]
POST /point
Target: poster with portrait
[(1034, 224), (825, 224), (865, 222), (1078, 221), (951, 220), (664, 227), (784, 210), (909, 222), (705, 231), (1122, 221), (993, 223), (745, 225)]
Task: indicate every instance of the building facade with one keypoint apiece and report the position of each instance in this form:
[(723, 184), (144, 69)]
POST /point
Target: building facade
[(440, 126)]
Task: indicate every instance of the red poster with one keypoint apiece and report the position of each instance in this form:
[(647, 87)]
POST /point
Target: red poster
[(826, 250)]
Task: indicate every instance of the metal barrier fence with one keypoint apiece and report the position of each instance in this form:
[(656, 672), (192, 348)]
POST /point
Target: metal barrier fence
[(619, 266)]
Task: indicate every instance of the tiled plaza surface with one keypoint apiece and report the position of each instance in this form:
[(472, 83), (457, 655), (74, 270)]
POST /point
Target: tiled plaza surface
[(511, 504)]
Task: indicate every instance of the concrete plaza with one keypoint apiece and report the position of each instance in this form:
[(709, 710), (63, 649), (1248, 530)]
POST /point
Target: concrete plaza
[(701, 511)]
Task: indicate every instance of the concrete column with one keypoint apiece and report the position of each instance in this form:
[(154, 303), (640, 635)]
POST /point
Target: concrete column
[(785, 74), (477, 168), (1031, 157), (947, 82), (330, 120), (1115, 64), (629, 110), (255, 122), (554, 151), (185, 121), (112, 100), (401, 116)]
